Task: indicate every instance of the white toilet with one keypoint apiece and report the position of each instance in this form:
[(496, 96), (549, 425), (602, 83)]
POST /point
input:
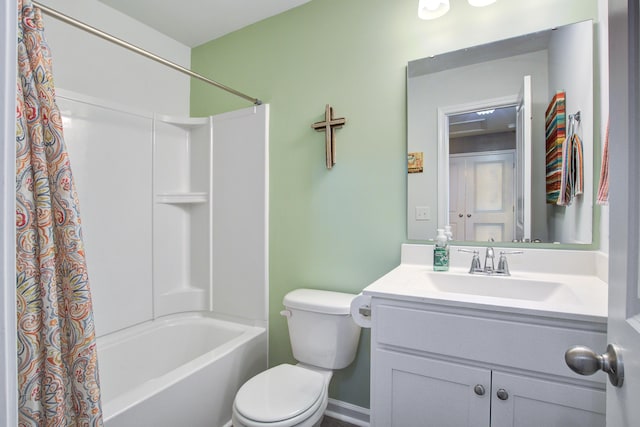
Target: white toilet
[(323, 338)]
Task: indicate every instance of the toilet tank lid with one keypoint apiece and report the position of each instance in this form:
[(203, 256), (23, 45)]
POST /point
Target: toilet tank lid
[(318, 301)]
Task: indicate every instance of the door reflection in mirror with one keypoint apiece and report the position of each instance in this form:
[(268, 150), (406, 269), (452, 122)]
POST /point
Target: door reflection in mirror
[(482, 166)]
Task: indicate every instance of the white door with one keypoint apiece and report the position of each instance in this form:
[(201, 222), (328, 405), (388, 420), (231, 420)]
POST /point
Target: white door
[(624, 255), (481, 191), (523, 162), (457, 196)]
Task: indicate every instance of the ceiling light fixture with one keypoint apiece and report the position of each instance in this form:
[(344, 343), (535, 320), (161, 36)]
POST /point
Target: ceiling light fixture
[(432, 9), (481, 3)]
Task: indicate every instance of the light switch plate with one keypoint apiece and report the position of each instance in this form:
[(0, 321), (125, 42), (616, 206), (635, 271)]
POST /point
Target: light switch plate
[(423, 213)]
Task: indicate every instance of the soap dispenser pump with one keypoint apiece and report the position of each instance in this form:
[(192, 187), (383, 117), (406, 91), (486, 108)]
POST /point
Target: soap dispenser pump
[(441, 252), (448, 232)]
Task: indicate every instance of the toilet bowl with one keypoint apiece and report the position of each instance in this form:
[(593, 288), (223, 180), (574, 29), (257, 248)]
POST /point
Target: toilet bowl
[(323, 338), (283, 396)]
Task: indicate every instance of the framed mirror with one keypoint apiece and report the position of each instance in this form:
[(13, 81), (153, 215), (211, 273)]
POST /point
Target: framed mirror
[(485, 139)]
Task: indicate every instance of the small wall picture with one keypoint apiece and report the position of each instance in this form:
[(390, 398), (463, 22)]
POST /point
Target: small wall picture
[(415, 162)]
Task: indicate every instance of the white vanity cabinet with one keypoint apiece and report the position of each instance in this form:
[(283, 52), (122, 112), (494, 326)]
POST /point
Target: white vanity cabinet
[(457, 365)]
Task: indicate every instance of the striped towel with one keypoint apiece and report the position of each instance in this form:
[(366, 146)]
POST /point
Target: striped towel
[(556, 134), (603, 188)]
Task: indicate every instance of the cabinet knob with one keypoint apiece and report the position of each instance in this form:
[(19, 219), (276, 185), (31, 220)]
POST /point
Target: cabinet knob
[(468, 215), (502, 394), (460, 215), (479, 389)]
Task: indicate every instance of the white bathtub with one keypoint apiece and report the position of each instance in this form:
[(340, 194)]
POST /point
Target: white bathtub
[(179, 371)]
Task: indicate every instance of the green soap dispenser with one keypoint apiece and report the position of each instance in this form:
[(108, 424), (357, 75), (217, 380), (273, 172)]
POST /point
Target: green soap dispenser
[(441, 252)]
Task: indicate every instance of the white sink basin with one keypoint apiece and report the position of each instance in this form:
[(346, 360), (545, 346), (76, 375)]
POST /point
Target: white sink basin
[(496, 286)]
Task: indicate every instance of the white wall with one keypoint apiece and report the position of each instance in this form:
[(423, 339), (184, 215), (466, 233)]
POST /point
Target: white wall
[(240, 214), (111, 154), (571, 70), (89, 65)]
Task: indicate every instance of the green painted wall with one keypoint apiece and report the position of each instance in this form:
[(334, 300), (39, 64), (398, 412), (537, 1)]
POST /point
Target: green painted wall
[(341, 229)]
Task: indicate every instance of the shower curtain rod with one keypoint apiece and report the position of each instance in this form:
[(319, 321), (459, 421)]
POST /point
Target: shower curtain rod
[(126, 45)]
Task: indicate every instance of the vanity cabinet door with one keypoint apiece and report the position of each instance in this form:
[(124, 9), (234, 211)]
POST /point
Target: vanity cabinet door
[(410, 391), (518, 401)]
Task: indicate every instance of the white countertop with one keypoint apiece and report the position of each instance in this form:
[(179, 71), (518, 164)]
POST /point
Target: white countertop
[(581, 297)]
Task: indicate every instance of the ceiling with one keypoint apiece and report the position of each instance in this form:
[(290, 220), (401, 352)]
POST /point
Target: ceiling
[(473, 123), (194, 22)]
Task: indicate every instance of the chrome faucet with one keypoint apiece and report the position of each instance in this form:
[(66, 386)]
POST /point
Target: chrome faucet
[(489, 256), (489, 265)]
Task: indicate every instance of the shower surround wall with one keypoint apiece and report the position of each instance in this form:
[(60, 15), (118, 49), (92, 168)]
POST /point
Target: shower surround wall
[(175, 214), (173, 211)]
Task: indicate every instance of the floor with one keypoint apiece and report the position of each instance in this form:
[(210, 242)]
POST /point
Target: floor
[(332, 422)]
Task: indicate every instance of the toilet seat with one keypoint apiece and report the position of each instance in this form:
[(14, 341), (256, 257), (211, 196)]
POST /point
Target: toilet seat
[(285, 395)]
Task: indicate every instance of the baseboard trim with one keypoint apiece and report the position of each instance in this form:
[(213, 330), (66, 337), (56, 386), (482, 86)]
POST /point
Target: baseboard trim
[(347, 412)]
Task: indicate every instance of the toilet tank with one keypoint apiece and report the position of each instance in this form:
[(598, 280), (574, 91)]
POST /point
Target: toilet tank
[(321, 329)]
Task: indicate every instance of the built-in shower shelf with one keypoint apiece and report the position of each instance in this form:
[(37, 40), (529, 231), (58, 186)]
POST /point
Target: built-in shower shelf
[(182, 198), (184, 122)]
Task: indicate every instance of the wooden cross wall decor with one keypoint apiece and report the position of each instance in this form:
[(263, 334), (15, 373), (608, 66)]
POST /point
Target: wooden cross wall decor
[(329, 125)]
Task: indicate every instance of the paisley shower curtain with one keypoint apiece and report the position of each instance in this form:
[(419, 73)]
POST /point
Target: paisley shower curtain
[(57, 363)]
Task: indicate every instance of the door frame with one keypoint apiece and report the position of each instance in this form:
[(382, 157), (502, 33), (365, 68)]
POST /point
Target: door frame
[(523, 212), (443, 144), (8, 355)]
